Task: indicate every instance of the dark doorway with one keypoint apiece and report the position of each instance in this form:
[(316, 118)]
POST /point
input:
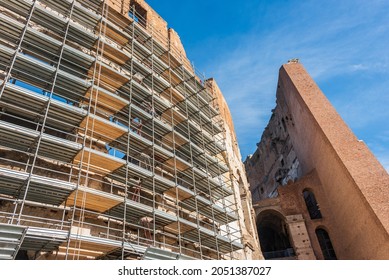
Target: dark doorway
[(273, 236)]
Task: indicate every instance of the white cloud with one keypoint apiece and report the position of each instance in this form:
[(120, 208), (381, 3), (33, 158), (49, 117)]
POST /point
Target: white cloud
[(336, 39), (358, 67)]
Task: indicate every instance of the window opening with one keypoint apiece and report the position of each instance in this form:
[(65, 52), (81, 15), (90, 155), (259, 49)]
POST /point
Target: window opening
[(312, 206), (325, 244)]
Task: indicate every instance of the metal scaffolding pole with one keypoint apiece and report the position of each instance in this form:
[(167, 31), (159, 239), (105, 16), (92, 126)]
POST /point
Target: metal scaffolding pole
[(100, 46), (124, 238), (113, 111), (18, 48), (46, 111)]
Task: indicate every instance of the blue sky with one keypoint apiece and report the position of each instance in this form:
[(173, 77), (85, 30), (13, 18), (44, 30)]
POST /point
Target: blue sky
[(344, 45)]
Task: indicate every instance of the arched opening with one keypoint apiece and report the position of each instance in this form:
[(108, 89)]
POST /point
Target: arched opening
[(325, 244), (312, 206), (273, 236)]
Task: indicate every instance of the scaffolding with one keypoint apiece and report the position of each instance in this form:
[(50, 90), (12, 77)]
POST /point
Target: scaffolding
[(110, 143)]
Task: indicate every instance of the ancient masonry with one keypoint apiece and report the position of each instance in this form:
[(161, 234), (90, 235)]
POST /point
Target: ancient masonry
[(318, 192), (111, 146)]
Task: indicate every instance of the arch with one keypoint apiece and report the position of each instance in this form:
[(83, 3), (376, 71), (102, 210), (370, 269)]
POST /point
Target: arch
[(312, 205), (273, 235), (325, 244), (242, 189)]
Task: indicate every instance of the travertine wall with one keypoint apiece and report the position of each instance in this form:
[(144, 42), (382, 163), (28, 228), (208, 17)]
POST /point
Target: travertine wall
[(121, 6), (169, 38), (274, 163), (94, 152), (177, 49), (292, 204), (232, 156), (300, 241), (156, 25), (351, 186)]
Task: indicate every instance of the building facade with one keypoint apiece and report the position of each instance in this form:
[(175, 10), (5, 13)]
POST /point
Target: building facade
[(318, 191), (111, 145)]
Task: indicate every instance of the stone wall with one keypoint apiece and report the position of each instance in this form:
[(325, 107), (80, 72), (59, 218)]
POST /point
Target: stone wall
[(232, 157), (352, 187), (155, 25), (274, 163)]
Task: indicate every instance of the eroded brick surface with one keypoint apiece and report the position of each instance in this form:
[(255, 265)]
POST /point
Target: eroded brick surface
[(307, 145)]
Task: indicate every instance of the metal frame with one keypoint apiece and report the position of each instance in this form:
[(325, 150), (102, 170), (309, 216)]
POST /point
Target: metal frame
[(113, 131)]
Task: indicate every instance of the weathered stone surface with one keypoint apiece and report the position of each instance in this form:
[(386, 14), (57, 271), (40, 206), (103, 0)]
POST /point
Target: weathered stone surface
[(241, 186), (308, 146), (106, 161)]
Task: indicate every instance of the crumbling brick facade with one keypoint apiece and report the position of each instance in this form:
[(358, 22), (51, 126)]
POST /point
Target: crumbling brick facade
[(111, 147), (310, 164)]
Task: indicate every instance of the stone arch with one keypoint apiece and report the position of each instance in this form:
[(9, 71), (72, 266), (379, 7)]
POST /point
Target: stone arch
[(273, 234)]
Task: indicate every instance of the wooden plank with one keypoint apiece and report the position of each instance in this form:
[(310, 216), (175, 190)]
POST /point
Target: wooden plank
[(177, 192), (114, 55), (180, 165), (171, 76), (102, 130), (81, 252), (121, 20), (168, 139), (168, 240), (173, 228), (177, 96), (91, 201), (115, 36), (108, 102), (97, 162), (178, 117), (170, 60), (108, 76), (172, 95), (88, 245)]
